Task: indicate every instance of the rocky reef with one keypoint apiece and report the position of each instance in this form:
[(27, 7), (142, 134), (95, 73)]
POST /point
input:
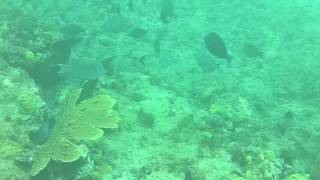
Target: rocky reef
[(224, 90), (20, 102)]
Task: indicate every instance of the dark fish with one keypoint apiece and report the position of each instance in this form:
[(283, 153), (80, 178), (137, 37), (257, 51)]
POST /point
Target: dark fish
[(157, 46), (138, 33), (157, 42), (45, 75), (108, 65), (79, 71), (25, 2), (72, 30), (252, 51), (26, 24), (206, 63), (42, 134), (188, 174), (130, 5), (147, 119), (167, 11), (142, 60), (315, 173), (89, 87), (61, 50), (116, 8), (216, 46)]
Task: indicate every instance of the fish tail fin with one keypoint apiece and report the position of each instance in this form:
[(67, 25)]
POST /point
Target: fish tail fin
[(229, 59), (107, 65)]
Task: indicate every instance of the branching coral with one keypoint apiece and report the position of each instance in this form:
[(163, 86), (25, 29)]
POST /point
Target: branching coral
[(78, 122)]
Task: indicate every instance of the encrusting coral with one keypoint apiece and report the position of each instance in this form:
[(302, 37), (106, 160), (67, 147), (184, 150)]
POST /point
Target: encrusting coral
[(83, 121), (19, 95)]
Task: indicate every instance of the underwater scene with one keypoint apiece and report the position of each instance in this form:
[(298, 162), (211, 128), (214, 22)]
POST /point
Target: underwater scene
[(159, 90)]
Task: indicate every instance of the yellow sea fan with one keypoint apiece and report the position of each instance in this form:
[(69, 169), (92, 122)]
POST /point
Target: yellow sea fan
[(77, 122)]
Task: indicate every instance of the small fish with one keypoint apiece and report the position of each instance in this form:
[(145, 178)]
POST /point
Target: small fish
[(116, 8), (157, 46), (130, 5), (142, 60), (108, 65), (167, 11), (206, 62), (138, 33), (216, 46), (252, 51), (157, 41)]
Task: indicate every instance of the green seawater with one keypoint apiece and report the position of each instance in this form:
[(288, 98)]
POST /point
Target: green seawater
[(159, 90)]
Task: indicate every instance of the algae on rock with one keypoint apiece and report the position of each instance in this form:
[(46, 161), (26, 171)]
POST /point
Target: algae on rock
[(83, 121), (19, 95), (9, 148)]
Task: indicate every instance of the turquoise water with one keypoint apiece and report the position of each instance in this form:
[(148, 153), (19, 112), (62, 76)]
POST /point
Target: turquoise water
[(159, 90)]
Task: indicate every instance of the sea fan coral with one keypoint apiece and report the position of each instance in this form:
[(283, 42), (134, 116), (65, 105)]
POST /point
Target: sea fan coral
[(78, 122)]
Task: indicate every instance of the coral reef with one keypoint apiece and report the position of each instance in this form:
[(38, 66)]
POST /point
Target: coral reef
[(20, 91), (187, 114), (20, 101)]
